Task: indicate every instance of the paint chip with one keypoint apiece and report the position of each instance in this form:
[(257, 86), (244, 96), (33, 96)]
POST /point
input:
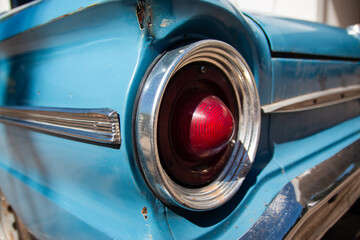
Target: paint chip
[(165, 22)]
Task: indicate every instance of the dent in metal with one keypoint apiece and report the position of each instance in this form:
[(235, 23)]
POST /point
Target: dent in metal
[(97, 125), (315, 100), (312, 202)]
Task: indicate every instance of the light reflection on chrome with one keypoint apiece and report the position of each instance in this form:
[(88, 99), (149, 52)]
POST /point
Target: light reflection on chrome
[(96, 125), (146, 111)]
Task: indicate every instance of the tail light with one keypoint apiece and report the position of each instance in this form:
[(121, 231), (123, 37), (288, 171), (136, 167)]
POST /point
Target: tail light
[(202, 126), (197, 120)]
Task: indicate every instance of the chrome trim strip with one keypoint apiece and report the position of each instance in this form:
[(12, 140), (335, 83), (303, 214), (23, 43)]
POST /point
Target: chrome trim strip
[(97, 125), (314, 100), (312, 202)]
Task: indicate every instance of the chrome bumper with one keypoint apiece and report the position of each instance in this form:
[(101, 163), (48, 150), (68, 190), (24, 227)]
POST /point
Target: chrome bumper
[(312, 202)]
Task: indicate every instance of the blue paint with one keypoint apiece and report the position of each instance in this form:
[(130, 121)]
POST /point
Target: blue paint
[(296, 36), (41, 210), (39, 14), (191, 20), (264, 73), (81, 60), (80, 55), (277, 223), (295, 77)]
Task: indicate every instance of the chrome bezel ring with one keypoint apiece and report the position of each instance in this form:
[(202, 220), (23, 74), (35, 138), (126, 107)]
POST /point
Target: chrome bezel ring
[(146, 111)]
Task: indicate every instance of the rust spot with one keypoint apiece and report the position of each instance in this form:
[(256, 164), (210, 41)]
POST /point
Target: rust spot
[(144, 212), (236, 227), (144, 16), (90, 6), (61, 17), (140, 13)]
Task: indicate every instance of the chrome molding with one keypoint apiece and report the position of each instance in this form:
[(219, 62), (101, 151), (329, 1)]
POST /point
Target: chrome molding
[(312, 202), (97, 125), (314, 100), (146, 111)]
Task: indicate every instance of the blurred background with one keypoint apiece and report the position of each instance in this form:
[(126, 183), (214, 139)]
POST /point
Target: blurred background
[(339, 13)]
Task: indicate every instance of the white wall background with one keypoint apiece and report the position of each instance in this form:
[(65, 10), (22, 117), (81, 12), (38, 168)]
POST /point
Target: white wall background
[(341, 13), (4, 5), (303, 9)]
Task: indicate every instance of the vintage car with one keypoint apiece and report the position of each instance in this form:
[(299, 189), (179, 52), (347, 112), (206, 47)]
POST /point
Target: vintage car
[(174, 120)]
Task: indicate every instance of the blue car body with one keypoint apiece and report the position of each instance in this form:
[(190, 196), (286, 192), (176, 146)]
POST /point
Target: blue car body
[(94, 54)]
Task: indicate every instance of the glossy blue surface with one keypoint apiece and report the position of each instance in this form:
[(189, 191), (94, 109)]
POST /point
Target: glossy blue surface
[(39, 13), (81, 60), (90, 56), (295, 77), (296, 36), (93, 54)]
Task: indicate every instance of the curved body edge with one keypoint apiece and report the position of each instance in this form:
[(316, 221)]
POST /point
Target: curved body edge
[(70, 74)]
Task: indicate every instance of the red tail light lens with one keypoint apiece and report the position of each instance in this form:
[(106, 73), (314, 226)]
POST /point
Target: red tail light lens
[(204, 127), (196, 123)]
